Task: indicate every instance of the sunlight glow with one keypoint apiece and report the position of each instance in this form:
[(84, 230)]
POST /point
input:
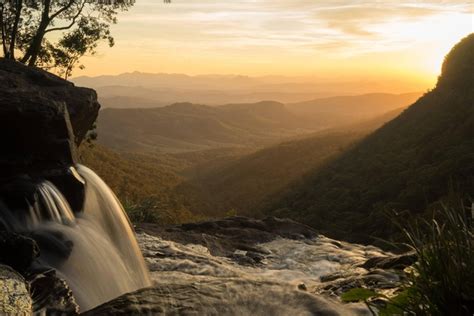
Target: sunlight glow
[(286, 37)]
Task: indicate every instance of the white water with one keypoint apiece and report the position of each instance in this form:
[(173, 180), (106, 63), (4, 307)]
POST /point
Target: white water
[(96, 251), (188, 275)]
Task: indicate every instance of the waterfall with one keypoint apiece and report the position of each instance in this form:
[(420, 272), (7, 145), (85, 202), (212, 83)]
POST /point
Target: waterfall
[(95, 251)]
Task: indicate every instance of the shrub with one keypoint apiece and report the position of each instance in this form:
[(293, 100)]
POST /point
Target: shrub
[(159, 211), (442, 281)]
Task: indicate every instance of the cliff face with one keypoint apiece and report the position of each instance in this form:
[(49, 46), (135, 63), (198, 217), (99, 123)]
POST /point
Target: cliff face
[(42, 119)]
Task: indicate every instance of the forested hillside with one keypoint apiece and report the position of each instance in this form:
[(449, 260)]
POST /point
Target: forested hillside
[(410, 164), (221, 181), (187, 127), (243, 185), (158, 184), (184, 127)]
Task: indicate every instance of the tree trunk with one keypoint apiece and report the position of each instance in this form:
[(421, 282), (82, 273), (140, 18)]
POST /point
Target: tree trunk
[(2, 25), (33, 50), (19, 7)]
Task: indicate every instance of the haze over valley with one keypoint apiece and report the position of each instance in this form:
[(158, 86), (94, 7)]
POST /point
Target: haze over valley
[(139, 89)]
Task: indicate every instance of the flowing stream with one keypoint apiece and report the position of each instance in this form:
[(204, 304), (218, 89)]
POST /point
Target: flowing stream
[(95, 251), (189, 277)]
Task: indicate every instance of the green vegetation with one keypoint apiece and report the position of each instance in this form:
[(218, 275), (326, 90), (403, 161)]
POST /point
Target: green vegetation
[(357, 294), (155, 210), (245, 184), (441, 282), (154, 187), (407, 164), (185, 127), (147, 190), (217, 182)]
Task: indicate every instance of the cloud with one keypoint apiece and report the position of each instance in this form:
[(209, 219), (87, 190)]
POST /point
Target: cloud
[(212, 31), (277, 20)]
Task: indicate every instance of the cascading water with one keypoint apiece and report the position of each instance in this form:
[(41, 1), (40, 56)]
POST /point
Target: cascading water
[(95, 251)]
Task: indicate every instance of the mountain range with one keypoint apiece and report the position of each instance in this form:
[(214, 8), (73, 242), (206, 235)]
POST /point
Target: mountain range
[(189, 127), (152, 90)]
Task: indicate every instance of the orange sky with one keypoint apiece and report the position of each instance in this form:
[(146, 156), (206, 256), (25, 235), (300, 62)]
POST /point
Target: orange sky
[(334, 39)]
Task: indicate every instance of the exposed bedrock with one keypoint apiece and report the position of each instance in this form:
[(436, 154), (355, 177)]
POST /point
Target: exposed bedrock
[(42, 120), (223, 237), (28, 85)]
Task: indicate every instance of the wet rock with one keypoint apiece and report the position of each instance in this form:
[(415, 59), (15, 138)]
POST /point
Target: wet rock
[(399, 262), (339, 283), (226, 236), (14, 296), (51, 295), (233, 298), (17, 251), (302, 287), (256, 257)]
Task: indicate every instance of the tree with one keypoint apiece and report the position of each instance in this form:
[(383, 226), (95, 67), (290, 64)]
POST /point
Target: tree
[(55, 34)]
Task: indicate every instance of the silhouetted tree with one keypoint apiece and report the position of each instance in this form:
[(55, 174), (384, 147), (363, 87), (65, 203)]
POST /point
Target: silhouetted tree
[(28, 27)]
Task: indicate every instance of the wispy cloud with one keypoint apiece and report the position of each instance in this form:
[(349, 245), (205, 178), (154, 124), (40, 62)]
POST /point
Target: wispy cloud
[(260, 30), (265, 22)]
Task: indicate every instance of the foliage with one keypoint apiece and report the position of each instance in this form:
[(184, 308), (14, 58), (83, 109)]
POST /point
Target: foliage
[(441, 282), (223, 181), (207, 127), (28, 27), (154, 210), (148, 185), (246, 183), (443, 278), (357, 294), (393, 306)]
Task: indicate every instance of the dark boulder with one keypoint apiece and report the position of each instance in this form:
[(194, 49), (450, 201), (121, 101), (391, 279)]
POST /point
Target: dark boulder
[(399, 262), (25, 85), (17, 251), (42, 120)]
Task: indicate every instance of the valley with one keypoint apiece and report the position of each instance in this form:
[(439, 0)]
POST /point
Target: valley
[(234, 158), (240, 177)]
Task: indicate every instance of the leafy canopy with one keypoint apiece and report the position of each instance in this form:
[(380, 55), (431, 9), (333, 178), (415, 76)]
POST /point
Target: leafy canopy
[(55, 34)]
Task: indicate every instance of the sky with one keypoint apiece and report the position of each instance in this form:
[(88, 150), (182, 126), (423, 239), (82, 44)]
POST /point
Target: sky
[(334, 39)]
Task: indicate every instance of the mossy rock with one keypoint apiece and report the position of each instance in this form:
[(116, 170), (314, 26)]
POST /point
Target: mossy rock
[(14, 296)]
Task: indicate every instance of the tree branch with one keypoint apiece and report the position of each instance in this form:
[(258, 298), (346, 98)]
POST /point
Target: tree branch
[(74, 19), (55, 15)]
